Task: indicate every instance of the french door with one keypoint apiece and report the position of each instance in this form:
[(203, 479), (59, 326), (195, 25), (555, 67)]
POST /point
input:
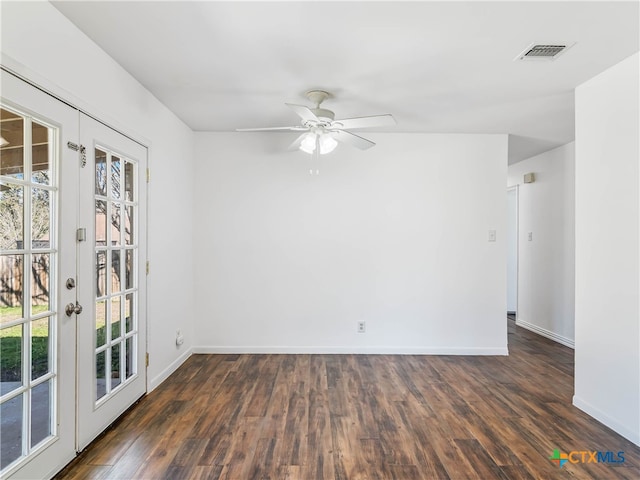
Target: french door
[(38, 191), (112, 257), (72, 283)]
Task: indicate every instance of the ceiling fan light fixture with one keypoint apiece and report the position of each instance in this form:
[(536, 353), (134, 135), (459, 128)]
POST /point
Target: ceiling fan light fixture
[(327, 144), (308, 144)]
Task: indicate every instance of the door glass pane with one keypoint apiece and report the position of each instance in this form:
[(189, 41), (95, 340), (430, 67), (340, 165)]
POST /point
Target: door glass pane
[(40, 153), (101, 172), (101, 321), (40, 298), (101, 273), (115, 366), (101, 223), (128, 225), (40, 412), (40, 348), (115, 177), (128, 181), (115, 224), (11, 360), (115, 271), (128, 312), (11, 444), (12, 216), (40, 218), (11, 280), (115, 317), (129, 358), (101, 375), (128, 273), (12, 144)]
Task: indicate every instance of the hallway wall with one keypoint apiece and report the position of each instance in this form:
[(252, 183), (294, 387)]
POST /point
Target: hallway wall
[(546, 263)]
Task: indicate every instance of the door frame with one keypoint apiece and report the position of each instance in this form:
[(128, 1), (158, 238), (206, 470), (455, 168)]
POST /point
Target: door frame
[(514, 188)]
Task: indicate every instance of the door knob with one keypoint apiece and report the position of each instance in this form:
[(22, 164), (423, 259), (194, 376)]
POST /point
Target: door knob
[(72, 308)]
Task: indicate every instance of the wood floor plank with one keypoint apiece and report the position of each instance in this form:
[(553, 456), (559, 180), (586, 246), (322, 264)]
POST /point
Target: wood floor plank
[(116, 443), (319, 458), (86, 472), (263, 387), (244, 442), (426, 456), (489, 437), (295, 427), (204, 472), (516, 472), (368, 417), (478, 459)]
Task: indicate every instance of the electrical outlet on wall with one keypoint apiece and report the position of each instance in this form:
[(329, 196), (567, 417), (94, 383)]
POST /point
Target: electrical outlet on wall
[(179, 338), (362, 326)]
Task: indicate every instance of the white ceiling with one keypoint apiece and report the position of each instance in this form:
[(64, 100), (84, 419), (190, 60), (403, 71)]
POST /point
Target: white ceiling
[(436, 66)]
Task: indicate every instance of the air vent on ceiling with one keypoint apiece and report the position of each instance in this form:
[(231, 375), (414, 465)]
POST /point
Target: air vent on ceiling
[(537, 51)]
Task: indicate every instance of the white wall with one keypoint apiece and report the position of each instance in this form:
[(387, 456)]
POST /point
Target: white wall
[(43, 45), (607, 375), (396, 236), (546, 264)]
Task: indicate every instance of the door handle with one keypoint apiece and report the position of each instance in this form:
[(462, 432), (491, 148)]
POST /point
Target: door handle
[(72, 308)]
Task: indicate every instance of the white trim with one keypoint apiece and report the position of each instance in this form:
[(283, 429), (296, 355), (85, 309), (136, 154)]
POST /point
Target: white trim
[(547, 333), (606, 420), (164, 374), (379, 350)]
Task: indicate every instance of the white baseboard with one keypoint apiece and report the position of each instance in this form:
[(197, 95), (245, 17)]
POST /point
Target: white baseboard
[(356, 350), (599, 415), (164, 374), (546, 333)]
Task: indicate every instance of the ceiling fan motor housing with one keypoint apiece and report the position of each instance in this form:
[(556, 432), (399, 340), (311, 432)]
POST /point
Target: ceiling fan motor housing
[(318, 96), (323, 114)]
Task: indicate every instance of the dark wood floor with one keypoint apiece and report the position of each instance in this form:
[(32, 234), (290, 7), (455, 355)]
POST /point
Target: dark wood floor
[(360, 417)]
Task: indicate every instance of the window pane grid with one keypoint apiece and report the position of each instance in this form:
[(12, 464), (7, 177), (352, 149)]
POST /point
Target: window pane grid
[(27, 268), (116, 286)]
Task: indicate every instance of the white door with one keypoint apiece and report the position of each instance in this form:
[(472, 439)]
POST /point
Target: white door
[(38, 206), (111, 271), (72, 279)]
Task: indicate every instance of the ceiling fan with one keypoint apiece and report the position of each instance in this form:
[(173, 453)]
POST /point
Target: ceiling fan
[(322, 132)]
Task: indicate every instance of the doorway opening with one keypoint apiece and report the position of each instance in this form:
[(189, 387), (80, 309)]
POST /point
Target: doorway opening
[(512, 253)]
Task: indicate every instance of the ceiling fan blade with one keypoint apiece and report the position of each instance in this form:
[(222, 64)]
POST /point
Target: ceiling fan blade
[(352, 139), (303, 112), (266, 129), (295, 145), (365, 122)]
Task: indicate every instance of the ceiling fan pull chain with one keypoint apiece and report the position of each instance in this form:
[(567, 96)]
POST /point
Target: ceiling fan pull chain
[(315, 158)]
